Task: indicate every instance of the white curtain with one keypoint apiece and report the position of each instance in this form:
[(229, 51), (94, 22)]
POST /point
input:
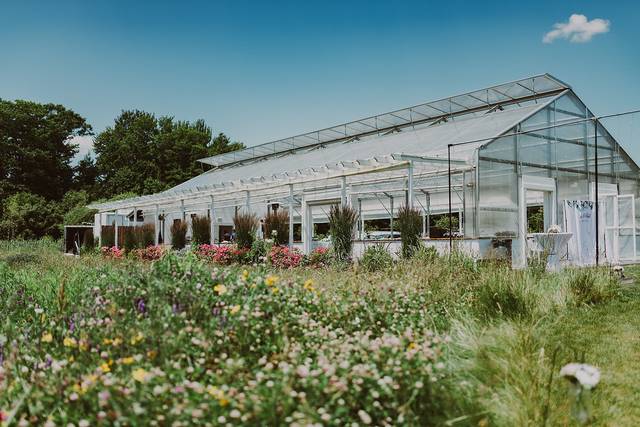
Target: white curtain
[(579, 218)]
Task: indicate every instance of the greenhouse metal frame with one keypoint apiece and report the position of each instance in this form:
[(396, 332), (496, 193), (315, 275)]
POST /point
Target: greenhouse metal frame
[(484, 156)]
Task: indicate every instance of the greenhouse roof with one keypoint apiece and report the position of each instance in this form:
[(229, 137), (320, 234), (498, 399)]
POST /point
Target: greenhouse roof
[(467, 103)]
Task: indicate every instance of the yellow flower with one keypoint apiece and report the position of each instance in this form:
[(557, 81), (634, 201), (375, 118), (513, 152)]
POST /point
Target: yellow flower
[(105, 368), (140, 375), (412, 346), (308, 285), (220, 289), (139, 337), (151, 354), (223, 401), (106, 341), (46, 337), (270, 280), (275, 290), (116, 342), (127, 360), (83, 345), (235, 309), (69, 342), (218, 394), (245, 274)]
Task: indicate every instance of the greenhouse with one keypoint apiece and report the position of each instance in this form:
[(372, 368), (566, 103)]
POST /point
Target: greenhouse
[(500, 167)]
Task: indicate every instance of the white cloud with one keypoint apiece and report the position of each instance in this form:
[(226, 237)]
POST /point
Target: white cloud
[(85, 145), (578, 29)]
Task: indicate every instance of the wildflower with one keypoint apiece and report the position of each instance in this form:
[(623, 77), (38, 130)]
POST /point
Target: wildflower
[(139, 337), (235, 309), (585, 375), (220, 289), (46, 337), (116, 342), (83, 423), (308, 285), (270, 280), (412, 346), (105, 368), (364, 417), (69, 342), (73, 396), (127, 360), (140, 375), (245, 274), (275, 290)]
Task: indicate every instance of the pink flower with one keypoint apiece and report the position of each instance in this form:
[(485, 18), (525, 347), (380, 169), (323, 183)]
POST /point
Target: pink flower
[(283, 257)]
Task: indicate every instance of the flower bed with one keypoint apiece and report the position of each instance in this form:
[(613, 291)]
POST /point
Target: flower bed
[(112, 252), (179, 344), (284, 257), (224, 255), (150, 253)]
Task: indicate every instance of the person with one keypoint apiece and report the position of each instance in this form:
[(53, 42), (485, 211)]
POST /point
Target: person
[(260, 231)]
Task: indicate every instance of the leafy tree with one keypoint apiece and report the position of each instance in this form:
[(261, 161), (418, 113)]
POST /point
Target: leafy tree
[(35, 148), (144, 154), (85, 176), (29, 216)]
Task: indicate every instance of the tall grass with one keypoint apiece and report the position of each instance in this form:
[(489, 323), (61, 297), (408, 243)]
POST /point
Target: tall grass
[(342, 221), (410, 227), (276, 225), (246, 225), (201, 230), (178, 232)]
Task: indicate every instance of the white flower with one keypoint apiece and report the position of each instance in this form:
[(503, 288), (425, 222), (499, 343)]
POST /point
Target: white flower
[(554, 228), (364, 417), (586, 375)]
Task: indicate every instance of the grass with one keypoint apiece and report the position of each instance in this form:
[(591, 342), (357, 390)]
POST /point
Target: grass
[(461, 344)]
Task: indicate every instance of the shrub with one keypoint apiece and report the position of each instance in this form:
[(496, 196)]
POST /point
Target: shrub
[(342, 220), (426, 254), (145, 235), (276, 226), (150, 253), (320, 257), (410, 227), (376, 257), (246, 225), (111, 252), (224, 255), (178, 234), (130, 238), (201, 230), (283, 257)]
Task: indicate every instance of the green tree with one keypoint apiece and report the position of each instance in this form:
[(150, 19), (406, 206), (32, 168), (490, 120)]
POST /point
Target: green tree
[(144, 154), (35, 148), (29, 216)]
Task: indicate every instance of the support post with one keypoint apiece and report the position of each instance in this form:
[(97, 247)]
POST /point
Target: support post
[(156, 226), (595, 148), (116, 230), (391, 214), (449, 180), (361, 231), (290, 215), (135, 216), (184, 213), (410, 183), (343, 191), (212, 221), (428, 215), (99, 223), (247, 202)]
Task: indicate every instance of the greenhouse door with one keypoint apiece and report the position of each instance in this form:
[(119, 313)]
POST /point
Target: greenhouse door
[(620, 228)]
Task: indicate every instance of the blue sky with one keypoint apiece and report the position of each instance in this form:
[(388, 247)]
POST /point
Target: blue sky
[(262, 71)]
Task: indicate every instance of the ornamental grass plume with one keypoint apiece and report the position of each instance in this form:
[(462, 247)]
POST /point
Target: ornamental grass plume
[(201, 230), (410, 227), (276, 225), (246, 225), (342, 221), (178, 234)]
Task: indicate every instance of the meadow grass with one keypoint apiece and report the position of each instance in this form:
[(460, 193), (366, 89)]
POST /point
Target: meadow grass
[(427, 341)]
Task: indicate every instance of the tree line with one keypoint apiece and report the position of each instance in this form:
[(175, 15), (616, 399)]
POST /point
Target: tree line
[(40, 187)]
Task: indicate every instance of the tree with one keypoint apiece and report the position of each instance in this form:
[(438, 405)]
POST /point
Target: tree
[(144, 154), (29, 216), (35, 148), (85, 176)]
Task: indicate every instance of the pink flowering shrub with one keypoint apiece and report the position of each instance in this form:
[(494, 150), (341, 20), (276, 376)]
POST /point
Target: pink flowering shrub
[(319, 257), (150, 253), (283, 257), (112, 252), (224, 255)]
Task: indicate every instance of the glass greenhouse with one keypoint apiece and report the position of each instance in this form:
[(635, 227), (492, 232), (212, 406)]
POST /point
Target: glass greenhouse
[(498, 167)]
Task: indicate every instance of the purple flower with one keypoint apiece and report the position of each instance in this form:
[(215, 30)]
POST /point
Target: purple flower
[(140, 306)]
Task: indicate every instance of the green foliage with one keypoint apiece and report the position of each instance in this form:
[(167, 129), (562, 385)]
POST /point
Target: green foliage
[(410, 227), (426, 254), (591, 286), (246, 225), (144, 154), (376, 257), (88, 241), (29, 216), (342, 220), (259, 251), (178, 232), (35, 151), (442, 222), (276, 226), (535, 220), (200, 230)]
